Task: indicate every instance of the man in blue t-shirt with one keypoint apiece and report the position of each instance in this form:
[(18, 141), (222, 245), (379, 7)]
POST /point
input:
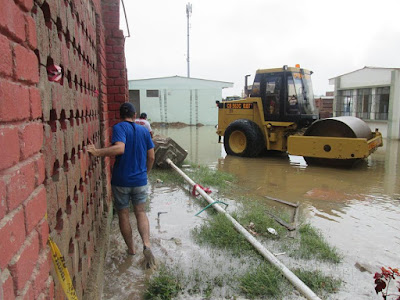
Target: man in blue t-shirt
[(134, 151)]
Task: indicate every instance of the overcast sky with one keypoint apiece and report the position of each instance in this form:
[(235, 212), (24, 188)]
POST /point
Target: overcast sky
[(229, 39)]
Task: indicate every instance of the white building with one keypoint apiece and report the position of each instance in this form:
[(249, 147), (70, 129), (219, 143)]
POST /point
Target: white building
[(371, 94), (178, 99)]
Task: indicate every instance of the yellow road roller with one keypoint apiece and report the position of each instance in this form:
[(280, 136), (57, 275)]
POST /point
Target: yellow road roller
[(280, 114)]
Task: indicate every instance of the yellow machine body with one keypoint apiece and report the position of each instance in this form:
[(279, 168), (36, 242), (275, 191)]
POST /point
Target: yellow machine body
[(251, 109), (333, 147), (246, 125)]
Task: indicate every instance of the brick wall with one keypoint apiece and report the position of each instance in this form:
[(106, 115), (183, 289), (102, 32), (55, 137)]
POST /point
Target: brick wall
[(24, 255), (45, 127)]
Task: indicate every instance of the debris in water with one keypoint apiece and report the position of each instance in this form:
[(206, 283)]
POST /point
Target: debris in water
[(177, 241), (251, 229), (159, 213)]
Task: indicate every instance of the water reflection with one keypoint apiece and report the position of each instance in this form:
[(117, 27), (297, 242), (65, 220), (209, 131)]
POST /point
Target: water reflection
[(201, 143)]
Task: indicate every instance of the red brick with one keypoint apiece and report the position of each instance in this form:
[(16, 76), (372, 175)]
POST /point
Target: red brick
[(119, 65), (35, 103), (109, 65), (23, 263), (109, 49), (112, 25), (118, 49), (40, 170), (6, 62), (12, 19), (25, 4), (117, 33), (26, 64), (110, 98), (112, 57), (35, 208), (120, 98), (14, 101), (31, 37), (9, 155), (111, 42), (31, 138), (12, 236), (113, 90), (114, 106), (110, 82), (43, 273), (3, 206), (112, 15), (43, 230), (114, 73), (8, 286), (120, 81), (21, 184)]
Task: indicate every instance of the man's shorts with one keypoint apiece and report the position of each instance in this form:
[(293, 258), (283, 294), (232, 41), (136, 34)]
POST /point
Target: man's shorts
[(124, 195)]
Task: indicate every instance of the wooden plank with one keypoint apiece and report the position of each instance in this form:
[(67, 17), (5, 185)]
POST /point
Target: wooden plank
[(280, 221), (283, 201)]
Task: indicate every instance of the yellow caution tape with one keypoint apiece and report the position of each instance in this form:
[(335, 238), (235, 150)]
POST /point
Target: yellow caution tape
[(62, 271)]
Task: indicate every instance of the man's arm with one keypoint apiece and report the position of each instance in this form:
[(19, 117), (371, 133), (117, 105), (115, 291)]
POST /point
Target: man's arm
[(117, 149), (150, 159)]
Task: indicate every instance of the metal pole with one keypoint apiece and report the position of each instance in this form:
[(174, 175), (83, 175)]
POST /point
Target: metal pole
[(126, 18), (299, 285), (246, 89), (188, 13)]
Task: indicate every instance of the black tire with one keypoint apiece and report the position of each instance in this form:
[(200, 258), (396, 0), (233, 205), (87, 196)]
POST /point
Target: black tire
[(243, 138)]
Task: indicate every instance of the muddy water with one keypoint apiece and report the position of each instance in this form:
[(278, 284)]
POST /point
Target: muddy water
[(357, 210)]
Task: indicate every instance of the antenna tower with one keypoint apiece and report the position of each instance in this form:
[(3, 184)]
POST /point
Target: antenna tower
[(188, 14)]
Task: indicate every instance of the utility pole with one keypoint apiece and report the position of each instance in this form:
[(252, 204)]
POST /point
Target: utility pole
[(188, 14)]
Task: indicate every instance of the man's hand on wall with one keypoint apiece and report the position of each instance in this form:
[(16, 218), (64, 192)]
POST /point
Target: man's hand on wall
[(92, 150)]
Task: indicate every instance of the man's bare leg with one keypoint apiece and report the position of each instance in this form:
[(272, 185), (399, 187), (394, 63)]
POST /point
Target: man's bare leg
[(142, 223), (144, 231), (126, 229)]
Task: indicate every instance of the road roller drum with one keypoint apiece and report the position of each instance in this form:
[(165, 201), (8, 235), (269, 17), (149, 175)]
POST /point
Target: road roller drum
[(350, 127)]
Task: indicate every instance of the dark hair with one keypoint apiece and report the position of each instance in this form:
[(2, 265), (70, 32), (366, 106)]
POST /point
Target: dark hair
[(143, 115), (127, 110)]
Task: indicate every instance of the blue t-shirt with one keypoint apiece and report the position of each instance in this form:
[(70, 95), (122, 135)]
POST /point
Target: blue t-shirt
[(130, 168)]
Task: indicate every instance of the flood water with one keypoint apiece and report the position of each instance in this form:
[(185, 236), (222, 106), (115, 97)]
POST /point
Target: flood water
[(357, 210)]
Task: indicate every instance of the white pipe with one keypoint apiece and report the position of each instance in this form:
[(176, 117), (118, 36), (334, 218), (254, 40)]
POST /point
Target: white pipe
[(300, 285)]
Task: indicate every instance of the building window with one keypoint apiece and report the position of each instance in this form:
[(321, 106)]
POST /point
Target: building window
[(382, 103), (364, 103), (152, 93), (344, 103)]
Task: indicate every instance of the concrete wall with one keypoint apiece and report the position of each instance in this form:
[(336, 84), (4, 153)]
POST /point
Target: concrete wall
[(45, 127), (394, 106)]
